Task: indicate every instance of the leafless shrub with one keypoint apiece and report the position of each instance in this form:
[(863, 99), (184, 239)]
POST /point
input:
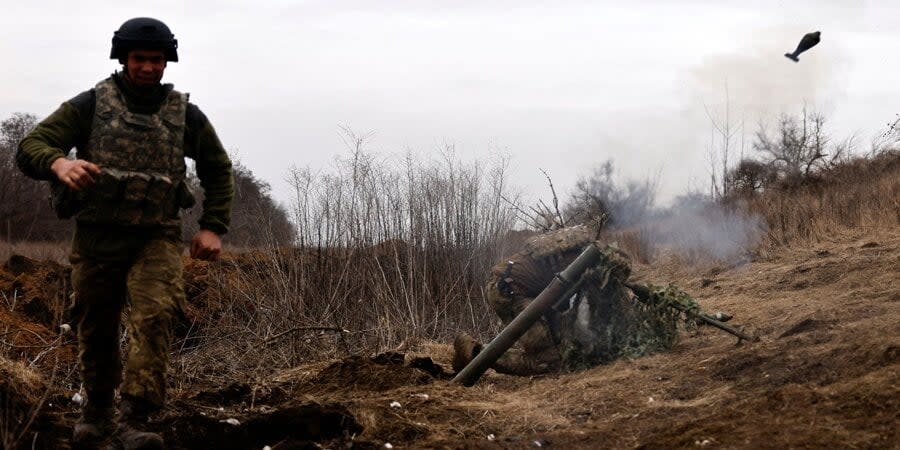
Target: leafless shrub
[(622, 205), (858, 194), (720, 153), (749, 177), (392, 251), (800, 145), (25, 212)]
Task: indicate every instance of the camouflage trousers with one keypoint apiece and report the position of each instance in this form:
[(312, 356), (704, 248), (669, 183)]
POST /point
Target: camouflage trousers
[(149, 280)]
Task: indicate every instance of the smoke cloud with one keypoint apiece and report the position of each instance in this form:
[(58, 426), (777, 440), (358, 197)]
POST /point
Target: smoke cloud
[(699, 229)]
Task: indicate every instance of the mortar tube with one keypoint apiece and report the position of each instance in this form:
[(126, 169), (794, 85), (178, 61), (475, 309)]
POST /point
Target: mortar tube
[(550, 296)]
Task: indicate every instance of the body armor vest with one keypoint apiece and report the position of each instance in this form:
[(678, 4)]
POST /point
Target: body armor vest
[(141, 156)]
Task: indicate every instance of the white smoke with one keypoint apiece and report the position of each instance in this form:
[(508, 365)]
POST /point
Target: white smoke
[(700, 229)]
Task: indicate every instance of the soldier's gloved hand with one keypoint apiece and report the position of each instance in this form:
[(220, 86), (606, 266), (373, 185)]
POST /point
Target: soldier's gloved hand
[(76, 174), (206, 245)]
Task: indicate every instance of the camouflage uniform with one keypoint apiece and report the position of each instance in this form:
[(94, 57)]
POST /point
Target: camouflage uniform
[(150, 279), (127, 245), (601, 321)]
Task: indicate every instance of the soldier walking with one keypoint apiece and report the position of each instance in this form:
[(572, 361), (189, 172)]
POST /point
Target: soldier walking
[(125, 190)]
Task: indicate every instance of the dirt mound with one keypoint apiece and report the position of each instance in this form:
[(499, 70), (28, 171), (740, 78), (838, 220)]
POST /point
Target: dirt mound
[(280, 414), (27, 400), (291, 426), (33, 300), (371, 374), (39, 289)]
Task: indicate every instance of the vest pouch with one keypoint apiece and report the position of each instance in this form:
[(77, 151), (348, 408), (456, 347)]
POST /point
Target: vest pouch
[(155, 207), (180, 197), (135, 192), (185, 197), (98, 203), (110, 186), (65, 202)]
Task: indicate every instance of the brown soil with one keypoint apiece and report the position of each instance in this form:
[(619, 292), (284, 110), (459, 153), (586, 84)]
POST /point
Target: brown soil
[(824, 374), (33, 300)]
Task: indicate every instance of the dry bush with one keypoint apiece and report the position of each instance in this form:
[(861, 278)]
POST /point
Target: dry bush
[(392, 252), (798, 146), (859, 194), (56, 251), (25, 211), (850, 194), (620, 204)]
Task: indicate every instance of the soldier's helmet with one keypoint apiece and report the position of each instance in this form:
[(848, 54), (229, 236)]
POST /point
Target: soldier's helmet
[(143, 33)]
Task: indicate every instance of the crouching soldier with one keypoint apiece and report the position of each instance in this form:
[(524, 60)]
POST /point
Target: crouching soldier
[(125, 191), (601, 322)]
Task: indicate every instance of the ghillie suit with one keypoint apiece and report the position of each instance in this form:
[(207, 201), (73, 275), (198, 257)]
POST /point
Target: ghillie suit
[(598, 324)]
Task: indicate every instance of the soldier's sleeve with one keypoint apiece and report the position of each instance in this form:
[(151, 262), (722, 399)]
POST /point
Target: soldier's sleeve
[(213, 169), (67, 127)]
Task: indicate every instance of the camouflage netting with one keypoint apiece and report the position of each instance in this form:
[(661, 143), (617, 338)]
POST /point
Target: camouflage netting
[(528, 272), (551, 245), (607, 321), (619, 325)]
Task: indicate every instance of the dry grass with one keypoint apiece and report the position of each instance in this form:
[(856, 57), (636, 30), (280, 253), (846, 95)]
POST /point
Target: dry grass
[(862, 194), (57, 251), (855, 196), (23, 392), (392, 257), (390, 252), (19, 392)]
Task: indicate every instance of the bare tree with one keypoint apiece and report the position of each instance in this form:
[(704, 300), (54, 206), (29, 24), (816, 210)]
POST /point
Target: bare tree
[(749, 177), (886, 141), (799, 145), (256, 218), (25, 212), (720, 152), (599, 197)]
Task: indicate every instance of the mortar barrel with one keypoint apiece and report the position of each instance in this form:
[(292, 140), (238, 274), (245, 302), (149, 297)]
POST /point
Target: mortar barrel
[(549, 297)]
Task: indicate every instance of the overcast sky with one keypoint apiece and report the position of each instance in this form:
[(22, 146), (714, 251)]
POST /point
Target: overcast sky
[(560, 85)]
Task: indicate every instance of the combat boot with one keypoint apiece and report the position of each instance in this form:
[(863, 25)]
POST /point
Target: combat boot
[(465, 348), (95, 424), (130, 434)]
